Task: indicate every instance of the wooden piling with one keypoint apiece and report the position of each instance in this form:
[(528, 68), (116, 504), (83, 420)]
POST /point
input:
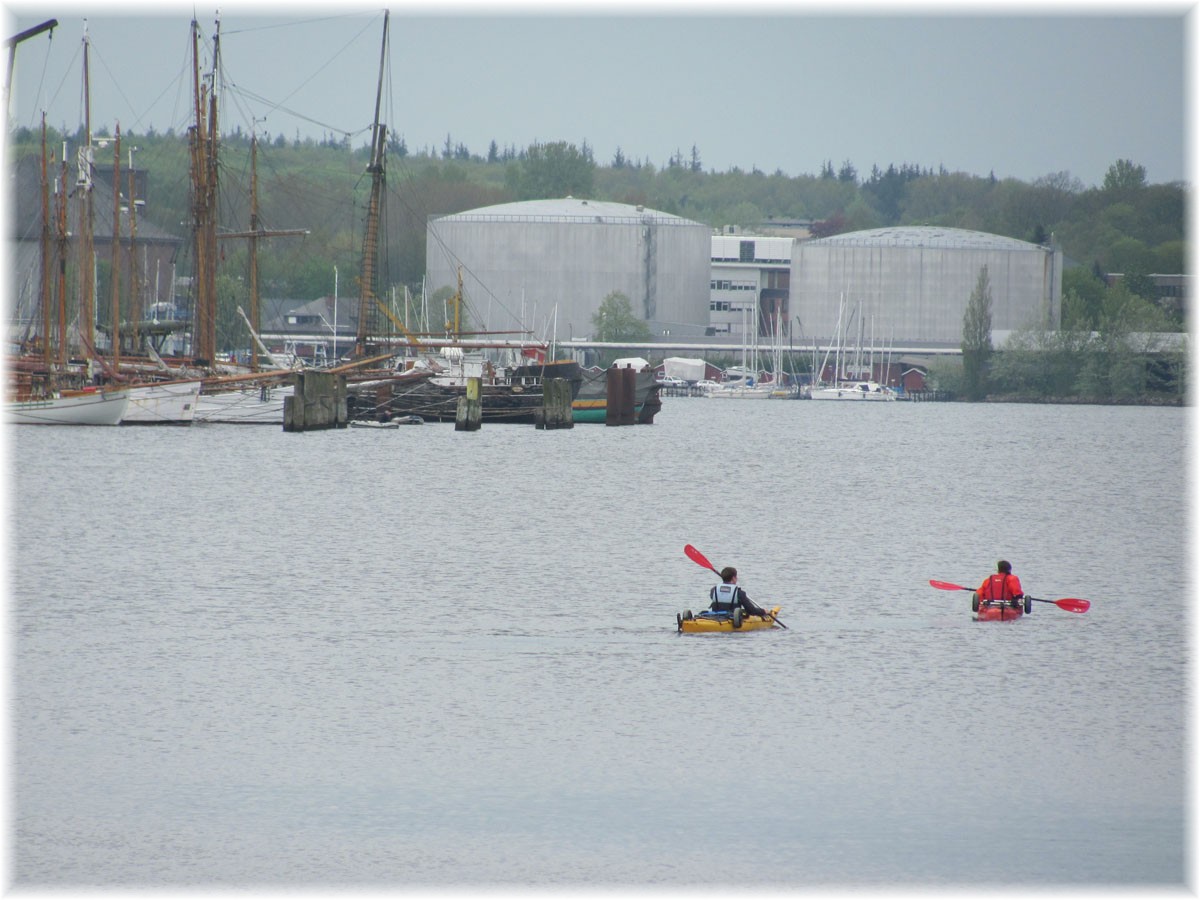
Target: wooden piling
[(555, 411), (469, 414), (621, 388)]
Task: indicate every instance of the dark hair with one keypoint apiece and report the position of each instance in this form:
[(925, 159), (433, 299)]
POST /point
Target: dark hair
[(1004, 566), (728, 574)]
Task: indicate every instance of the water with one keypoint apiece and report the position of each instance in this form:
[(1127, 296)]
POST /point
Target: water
[(424, 658)]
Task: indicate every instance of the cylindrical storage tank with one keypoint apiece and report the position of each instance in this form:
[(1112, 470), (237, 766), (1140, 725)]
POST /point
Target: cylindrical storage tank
[(910, 285), (547, 265)]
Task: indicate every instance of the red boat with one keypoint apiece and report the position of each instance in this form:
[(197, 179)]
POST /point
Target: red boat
[(1000, 610)]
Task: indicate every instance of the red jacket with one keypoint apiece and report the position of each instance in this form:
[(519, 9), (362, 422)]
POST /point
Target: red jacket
[(1000, 586)]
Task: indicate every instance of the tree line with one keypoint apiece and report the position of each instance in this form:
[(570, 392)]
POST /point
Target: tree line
[(1125, 225)]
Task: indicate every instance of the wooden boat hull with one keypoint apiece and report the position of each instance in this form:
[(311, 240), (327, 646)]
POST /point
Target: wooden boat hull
[(708, 624), (90, 407)]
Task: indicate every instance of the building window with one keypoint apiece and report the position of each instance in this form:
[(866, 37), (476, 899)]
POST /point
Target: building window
[(746, 251)]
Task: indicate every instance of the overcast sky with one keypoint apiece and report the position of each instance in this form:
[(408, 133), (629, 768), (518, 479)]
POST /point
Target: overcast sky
[(1018, 90)]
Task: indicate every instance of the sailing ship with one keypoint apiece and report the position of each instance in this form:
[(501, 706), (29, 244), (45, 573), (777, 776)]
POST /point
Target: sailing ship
[(64, 373)]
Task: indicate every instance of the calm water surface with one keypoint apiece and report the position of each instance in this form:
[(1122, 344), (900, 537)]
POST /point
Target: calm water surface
[(429, 658)]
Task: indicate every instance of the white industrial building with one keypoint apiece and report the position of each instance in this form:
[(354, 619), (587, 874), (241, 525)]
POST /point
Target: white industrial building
[(748, 290), (910, 285), (547, 265)]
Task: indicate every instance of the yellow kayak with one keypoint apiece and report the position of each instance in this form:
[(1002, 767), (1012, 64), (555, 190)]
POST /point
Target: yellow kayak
[(708, 622)]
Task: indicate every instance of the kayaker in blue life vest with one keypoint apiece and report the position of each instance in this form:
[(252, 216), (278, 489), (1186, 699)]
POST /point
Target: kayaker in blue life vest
[(1003, 586), (727, 596)]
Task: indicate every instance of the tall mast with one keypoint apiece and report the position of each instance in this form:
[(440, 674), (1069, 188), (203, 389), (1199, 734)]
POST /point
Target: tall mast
[(366, 297), (256, 231), (254, 248), (60, 237), (47, 344), (115, 255), (87, 266), (135, 299), (204, 200)]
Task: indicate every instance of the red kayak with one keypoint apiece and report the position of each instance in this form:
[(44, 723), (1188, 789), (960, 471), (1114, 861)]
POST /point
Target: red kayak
[(1000, 610)]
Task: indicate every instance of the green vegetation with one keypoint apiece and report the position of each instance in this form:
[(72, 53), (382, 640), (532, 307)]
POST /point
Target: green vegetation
[(977, 338), (614, 321), (1124, 226)]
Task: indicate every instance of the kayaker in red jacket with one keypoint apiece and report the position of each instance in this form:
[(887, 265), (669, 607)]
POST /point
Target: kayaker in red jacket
[(1003, 586), (727, 595)]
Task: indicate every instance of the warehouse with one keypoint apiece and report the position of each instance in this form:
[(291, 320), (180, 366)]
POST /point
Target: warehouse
[(909, 286), (547, 265)]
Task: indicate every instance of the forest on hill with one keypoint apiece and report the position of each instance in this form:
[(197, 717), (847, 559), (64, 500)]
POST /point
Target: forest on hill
[(1125, 225)]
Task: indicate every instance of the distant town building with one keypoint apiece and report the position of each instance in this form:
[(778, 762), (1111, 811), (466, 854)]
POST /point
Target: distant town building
[(749, 288)]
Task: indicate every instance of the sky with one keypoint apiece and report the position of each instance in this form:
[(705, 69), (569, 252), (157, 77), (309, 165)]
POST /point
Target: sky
[(1020, 90)]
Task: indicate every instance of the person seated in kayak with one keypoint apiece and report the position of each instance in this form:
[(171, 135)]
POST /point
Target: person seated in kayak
[(727, 596), (1004, 586)]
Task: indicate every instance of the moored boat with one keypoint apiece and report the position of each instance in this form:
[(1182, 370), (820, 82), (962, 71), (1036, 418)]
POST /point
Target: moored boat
[(708, 622), (163, 403), (91, 406), (590, 403), (257, 405), (854, 390)]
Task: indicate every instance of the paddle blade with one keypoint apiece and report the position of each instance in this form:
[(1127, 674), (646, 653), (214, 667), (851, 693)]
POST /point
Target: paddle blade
[(697, 557), (947, 586), (1073, 604)]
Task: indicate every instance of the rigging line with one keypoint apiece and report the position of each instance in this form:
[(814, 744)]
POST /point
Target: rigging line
[(68, 72), (273, 107), (330, 61), (294, 23), (452, 257), (45, 69)]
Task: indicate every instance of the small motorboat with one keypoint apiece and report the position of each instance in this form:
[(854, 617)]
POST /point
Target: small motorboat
[(709, 622)]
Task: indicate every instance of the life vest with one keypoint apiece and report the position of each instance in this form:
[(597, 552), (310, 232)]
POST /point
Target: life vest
[(724, 597), (997, 587)]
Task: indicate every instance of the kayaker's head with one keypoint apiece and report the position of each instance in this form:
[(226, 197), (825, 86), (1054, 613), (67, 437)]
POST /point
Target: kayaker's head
[(729, 574), (1004, 566)]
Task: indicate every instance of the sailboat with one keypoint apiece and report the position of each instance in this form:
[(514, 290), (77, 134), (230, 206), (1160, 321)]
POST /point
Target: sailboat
[(843, 388), (741, 382), (49, 388)]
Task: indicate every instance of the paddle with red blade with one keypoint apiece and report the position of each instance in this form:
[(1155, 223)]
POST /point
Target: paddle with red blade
[(701, 560), (1070, 604)]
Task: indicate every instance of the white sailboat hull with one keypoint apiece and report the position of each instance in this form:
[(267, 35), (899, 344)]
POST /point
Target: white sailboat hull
[(863, 391), (245, 406), (744, 393), (163, 403), (101, 407)]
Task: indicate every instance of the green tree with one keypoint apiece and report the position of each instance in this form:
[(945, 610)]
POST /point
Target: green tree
[(977, 337), (1123, 175), (1087, 291), (551, 170), (615, 322)]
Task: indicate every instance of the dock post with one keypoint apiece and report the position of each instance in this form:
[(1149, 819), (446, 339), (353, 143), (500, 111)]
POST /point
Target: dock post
[(556, 405), (621, 388), (318, 402), (469, 415)]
